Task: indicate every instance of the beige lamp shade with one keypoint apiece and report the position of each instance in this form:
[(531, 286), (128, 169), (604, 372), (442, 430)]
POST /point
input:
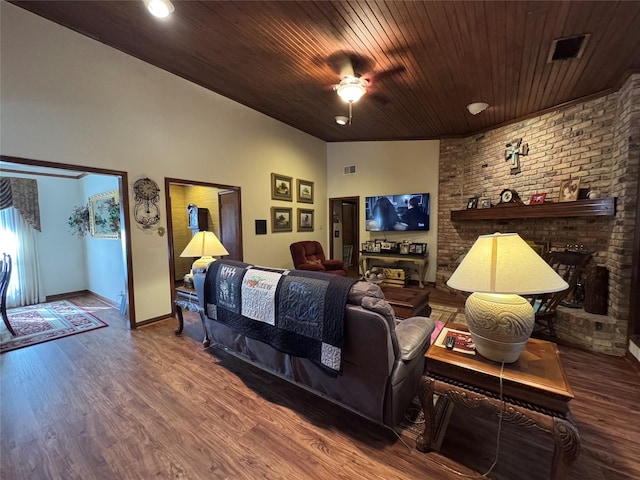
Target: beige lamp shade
[(504, 263), (204, 245)]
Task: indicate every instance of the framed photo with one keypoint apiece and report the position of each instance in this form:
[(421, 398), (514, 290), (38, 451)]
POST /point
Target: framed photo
[(537, 198), (569, 190), (281, 187), (305, 191), (472, 202), (418, 248), (412, 248), (305, 220), (104, 215), (281, 219), (484, 203)]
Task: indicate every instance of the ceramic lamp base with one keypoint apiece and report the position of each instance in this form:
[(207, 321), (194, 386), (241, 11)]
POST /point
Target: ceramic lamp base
[(201, 264), (500, 325)]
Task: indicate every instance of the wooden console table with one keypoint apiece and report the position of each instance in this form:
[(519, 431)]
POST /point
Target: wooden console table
[(535, 391), (187, 298), (422, 261)]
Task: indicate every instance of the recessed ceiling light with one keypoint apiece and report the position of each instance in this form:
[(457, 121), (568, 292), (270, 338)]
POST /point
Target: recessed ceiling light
[(159, 8), (342, 120)]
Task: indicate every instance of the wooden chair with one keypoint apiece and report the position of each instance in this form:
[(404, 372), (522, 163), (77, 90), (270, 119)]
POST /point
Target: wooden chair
[(569, 265), (5, 276)]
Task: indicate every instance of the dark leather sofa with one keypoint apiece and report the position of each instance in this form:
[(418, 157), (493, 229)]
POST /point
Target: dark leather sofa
[(382, 365)]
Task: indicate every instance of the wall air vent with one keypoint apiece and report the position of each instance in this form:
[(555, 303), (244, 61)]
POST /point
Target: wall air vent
[(350, 170), (567, 48)]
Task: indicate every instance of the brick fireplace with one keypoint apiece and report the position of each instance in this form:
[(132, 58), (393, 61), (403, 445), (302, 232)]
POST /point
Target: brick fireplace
[(596, 141)]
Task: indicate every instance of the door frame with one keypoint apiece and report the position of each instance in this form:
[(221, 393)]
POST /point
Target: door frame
[(356, 233), (171, 252), (125, 221)]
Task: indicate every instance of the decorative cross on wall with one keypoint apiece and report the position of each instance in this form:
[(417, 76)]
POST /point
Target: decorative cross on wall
[(514, 150)]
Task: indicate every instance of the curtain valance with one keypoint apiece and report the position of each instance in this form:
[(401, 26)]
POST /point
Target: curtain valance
[(22, 194)]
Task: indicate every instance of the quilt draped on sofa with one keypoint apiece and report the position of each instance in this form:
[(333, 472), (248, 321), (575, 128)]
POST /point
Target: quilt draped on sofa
[(297, 312)]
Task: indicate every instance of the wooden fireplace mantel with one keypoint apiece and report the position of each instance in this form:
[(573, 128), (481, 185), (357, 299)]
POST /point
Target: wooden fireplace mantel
[(579, 208)]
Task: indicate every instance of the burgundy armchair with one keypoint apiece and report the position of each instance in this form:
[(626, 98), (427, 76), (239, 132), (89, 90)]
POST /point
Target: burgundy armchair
[(308, 255)]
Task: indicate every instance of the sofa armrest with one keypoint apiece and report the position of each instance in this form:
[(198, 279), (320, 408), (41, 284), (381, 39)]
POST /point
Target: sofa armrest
[(414, 336)]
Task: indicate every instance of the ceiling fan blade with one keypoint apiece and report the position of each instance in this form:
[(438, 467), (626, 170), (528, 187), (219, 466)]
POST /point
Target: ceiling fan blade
[(384, 74)]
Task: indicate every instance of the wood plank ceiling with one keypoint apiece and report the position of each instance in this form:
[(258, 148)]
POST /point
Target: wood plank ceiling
[(426, 60)]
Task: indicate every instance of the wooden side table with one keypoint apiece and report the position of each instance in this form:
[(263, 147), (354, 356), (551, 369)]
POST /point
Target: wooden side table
[(187, 298), (535, 391)]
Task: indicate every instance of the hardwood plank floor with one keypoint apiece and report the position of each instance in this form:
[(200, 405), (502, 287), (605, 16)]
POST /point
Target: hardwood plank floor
[(119, 404)]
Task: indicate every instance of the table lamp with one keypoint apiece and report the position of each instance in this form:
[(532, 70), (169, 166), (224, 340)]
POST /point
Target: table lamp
[(204, 245), (497, 269)]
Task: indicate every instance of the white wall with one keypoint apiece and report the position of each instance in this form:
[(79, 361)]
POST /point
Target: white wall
[(388, 168), (69, 99), (105, 262)]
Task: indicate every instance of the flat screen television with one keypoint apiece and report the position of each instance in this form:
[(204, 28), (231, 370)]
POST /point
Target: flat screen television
[(406, 212)]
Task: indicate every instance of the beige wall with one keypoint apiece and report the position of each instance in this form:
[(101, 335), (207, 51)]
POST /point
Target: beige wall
[(69, 99), (388, 168)]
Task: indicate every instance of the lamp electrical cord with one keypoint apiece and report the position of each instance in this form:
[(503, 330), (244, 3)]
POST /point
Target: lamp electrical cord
[(495, 461)]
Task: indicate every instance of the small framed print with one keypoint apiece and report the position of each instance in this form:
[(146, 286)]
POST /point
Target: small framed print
[(472, 202), (281, 219), (281, 187), (412, 248), (305, 220), (305, 191), (484, 203), (418, 249), (537, 198), (569, 190)]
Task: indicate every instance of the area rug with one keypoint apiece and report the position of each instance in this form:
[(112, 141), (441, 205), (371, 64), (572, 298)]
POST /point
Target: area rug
[(413, 422), (44, 322)]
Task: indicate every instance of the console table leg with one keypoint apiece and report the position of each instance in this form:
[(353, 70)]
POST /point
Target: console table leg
[(180, 320), (424, 441), (567, 447), (206, 342)]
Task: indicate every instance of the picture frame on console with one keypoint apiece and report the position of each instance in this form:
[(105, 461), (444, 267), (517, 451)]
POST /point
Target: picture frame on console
[(472, 202), (537, 198), (484, 203), (569, 190)]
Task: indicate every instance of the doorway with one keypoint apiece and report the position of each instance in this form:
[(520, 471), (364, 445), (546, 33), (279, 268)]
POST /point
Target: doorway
[(41, 168), (345, 231), (220, 209)]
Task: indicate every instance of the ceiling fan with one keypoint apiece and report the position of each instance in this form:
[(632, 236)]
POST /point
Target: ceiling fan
[(356, 76)]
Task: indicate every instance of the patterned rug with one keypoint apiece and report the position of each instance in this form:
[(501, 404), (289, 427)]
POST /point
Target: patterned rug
[(413, 422), (43, 322)]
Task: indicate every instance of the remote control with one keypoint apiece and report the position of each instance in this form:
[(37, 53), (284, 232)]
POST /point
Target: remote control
[(450, 342)]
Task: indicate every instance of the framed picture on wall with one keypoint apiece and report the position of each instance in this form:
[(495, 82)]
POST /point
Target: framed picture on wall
[(281, 187), (305, 191), (281, 219), (104, 215), (305, 220)]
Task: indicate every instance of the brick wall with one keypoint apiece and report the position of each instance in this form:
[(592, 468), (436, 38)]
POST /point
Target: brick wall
[(597, 142)]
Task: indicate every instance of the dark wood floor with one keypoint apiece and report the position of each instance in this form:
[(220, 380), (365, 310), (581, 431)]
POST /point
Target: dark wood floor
[(120, 404)]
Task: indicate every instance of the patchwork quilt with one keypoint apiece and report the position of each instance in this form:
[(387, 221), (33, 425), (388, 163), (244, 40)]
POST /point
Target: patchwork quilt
[(296, 312)]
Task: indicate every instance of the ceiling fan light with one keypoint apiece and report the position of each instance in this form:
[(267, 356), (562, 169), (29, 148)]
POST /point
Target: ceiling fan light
[(477, 107), (351, 89), (342, 120), (159, 8)]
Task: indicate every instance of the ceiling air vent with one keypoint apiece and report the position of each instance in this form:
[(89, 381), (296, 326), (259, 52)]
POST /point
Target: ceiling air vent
[(567, 48), (350, 170)]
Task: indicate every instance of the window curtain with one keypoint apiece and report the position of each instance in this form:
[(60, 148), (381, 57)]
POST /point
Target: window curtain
[(19, 239)]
